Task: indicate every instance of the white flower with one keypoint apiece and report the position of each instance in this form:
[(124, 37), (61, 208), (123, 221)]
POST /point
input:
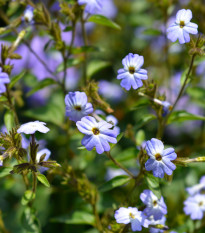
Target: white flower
[(38, 156), (32, 127)]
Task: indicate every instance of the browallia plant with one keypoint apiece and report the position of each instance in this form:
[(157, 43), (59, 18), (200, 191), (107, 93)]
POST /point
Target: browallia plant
[(102, 116)]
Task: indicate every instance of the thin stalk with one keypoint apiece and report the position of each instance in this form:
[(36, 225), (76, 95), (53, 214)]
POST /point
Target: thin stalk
[(97, 218), (120, 165), (34, 183)]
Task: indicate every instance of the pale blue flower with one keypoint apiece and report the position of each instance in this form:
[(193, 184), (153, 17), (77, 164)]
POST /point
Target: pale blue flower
[(114, 121), (160, 158), (77, 105), (91, 6), (32, 127), (182, 27), (195, 206), (154, 207), (197, 188), (156, 222), (38, 156), (97, 134), (28, 14), (133, 216), (132, 74), (166, 108), (4, 79)]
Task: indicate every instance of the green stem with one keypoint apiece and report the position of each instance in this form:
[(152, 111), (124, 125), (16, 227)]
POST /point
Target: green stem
[(97, 218), (119, 165), (163, 124), (34, 184)]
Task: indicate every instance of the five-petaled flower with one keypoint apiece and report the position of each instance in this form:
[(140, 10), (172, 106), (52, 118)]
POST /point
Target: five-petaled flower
[(182, 26), (97, 134), (32, 127), (77, 105), (154, 207), (132, 74), (133, 216), (91, 6), (195, 206), (160, 158), (4, 79)]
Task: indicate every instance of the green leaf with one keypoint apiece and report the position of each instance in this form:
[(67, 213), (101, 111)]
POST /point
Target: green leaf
[(40, 85), (43, 180), (145, 119), (196, 92), (78, 217), (5, 171), (102, 20), (3, 99), (153, 184), (16, 78), (96, 66), (29, 221), (70, 63), (180, 116), (113, 183), (53, 112), (140, 137), (143, 102), (27, 197), (9, 120)]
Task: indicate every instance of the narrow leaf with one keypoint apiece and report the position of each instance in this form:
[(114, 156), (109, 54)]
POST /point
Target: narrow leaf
[(102, 20), (43, 180), (113, 183), (16, 78)]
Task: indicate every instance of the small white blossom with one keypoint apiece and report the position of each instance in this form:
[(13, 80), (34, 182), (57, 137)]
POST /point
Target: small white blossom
[(32, 127)]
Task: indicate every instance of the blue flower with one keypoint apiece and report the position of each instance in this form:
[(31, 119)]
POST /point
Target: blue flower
[(166, 108), (197, 188), (77, 105), (182, 26), (160, 159), (4, 79), (38, 156), (195, 206), (156, 222), (132, 74), (97, 134), (133, 216), (114, 121), (154, 207), (28, 14), (91, 6)]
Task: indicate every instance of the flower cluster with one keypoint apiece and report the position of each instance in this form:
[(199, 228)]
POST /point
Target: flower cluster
[(153, 214), (195, 203)]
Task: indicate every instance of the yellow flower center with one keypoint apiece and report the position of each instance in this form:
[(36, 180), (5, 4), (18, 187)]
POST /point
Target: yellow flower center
[(96, 131), (132, 70), (201, 203), (154, 203), (158, 157), (132, 216), (182, 24)]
